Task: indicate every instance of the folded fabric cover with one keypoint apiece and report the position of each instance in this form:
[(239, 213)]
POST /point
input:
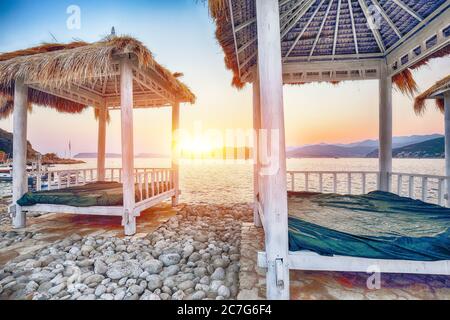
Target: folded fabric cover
[(379, 225), (104, 194)]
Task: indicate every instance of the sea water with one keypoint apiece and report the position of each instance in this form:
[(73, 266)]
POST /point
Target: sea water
[(211, 181)]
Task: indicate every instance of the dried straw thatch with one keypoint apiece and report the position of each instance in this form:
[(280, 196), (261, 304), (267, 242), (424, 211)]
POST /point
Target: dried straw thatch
[(62, 65), (405, 83), (419, 103), (224, 34)]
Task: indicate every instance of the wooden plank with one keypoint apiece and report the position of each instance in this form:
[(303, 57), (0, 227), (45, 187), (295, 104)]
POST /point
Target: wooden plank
[(97, 211), (148, 203), (311, 261)]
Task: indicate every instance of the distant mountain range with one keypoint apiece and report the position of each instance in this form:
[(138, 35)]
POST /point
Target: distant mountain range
[(434, 148), (361, 149), (93, 155)]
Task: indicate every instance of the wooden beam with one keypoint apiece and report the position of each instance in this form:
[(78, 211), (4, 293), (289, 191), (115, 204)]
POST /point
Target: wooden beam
[(431, 26), (175, 151), (20, 181), (336, 30), (234, 36), (256, 141), (355, 39), (304, 29), (385, 128), (274, 173), (284, 29), (447, 143), (72, 94), (297, 16), (320, 30), (244, 25), (408, 9), (154, 86), (375, 32), (126, 95), (387, 18), (95, 211), (312, 261), (101, 154)]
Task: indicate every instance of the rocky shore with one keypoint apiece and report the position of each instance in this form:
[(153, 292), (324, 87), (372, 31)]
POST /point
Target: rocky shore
[(194, 256)]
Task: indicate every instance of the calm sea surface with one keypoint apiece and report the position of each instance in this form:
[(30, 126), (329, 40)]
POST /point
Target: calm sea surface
[(208, 181)]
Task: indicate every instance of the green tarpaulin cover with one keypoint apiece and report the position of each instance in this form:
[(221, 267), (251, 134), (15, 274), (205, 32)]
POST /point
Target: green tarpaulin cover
[(379, 225), (96, 194)]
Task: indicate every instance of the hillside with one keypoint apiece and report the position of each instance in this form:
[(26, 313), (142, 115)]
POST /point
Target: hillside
[(430, 149), (6, 145), (359, 149), (329, 151)]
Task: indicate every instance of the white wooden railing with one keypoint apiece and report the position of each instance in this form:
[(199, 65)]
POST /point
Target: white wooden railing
[(153, 180), (348, 182), (428, 188)]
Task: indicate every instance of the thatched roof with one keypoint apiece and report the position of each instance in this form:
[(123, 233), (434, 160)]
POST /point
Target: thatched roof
[(52, 70), (315, 38), (435, 92)]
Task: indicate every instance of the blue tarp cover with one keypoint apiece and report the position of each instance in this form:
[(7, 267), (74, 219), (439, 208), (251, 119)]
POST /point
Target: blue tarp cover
[(379, 225)]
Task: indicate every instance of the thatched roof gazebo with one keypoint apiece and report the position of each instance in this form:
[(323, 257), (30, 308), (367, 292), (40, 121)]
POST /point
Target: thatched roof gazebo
[(114, 73), (270, 43)]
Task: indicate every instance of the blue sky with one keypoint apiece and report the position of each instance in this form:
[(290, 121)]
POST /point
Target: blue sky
[(180, 33)]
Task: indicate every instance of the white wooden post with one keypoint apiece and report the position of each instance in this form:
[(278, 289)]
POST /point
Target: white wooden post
[(385, 125), (101, 153), (126, 97), (256, 157), (20, 180), (272, 119), (175, 152), (447, 144)]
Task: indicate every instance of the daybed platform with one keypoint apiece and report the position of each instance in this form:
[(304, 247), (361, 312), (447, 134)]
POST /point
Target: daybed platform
[(98, 198), (392, 234)]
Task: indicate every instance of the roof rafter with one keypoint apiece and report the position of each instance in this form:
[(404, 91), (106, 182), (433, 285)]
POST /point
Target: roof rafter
[(376, 32), (338, 16), (408, 9), (320, 30), (298, 15), (355, 39), (234, 36), (291, 10), (387, 18), (304, 29)]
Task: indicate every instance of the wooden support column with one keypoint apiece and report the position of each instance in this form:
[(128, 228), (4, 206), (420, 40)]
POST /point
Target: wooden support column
[(274, 189), (385, 128), (175, 152), (20, 179), (101, 154), (126, 98), (447, 143), (256, 158)]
